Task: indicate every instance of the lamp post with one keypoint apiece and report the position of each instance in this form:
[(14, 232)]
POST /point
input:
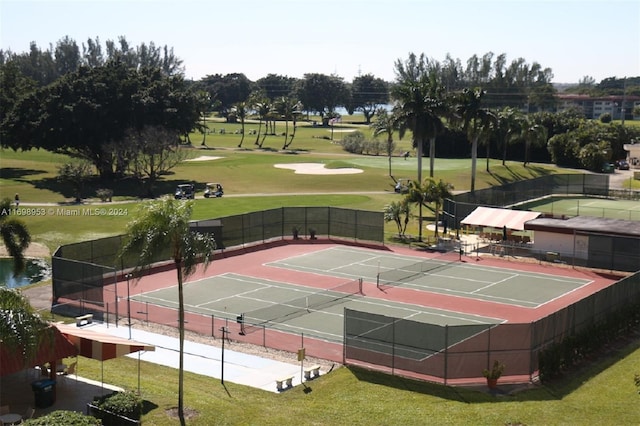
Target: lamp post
[(128, 276), (224, 331)]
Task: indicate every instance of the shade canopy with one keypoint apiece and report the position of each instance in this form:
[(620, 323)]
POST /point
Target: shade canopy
[(58, 347), (100, 346), (499, 218)]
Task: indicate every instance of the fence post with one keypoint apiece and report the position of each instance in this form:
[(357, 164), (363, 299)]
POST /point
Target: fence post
[(446, 353)]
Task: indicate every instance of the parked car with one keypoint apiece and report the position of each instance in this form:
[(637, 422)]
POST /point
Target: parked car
[(622, 165), (607, 168), (185, 191), (213, 190)]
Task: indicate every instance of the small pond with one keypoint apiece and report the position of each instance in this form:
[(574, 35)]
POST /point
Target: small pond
[(37, 270)]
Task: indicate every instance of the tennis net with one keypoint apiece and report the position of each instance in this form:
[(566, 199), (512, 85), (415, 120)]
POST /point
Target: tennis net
[(300, 306), (414, 271)]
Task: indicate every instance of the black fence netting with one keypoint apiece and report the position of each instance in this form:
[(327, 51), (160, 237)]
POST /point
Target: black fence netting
[(78, 286), (76, 268), (460, 206), (438, 351), (458, 352)]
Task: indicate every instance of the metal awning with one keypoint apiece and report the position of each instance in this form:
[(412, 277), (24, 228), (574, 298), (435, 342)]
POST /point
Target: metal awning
[(50, 350), (499, 218), (100, 346)]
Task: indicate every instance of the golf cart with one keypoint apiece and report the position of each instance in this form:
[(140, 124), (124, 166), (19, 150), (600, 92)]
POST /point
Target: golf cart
[(213, 190), (185, 191), (401, 186)]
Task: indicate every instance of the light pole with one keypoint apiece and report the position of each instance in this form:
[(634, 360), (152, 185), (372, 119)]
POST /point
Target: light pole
[(129, 304), (224, 335)]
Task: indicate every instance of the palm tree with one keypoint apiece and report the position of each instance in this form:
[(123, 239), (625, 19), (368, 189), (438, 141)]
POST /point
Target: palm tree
[(420, 105), (417, 194), (419, 108), (15, 236), (22, 331), (395, 212), (533, 134), (160, 226), (240, 109), (510, 122), (474, 120), (437, 192), (289, 109), (384, 124), (260, 104)]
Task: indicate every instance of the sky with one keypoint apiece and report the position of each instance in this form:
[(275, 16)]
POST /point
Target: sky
[(347, 38)]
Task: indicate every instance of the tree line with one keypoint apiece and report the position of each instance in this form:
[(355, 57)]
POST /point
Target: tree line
[(125, 109)]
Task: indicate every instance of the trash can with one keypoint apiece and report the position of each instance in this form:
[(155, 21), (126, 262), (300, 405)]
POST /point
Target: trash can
[(44, 392)]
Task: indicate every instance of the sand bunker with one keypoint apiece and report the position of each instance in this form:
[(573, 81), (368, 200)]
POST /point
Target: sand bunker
[(316, 169), (203, 158)]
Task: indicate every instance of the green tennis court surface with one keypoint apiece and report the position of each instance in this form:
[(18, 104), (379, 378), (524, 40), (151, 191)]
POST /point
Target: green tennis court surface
[(230, 295), (445, 275), (582, 206)]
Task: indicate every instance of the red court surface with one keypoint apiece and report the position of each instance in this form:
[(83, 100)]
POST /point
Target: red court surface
[(253, 262)]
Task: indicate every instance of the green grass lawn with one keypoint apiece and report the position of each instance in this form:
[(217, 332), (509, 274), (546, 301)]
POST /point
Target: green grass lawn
[(602, 394), (242, 172)]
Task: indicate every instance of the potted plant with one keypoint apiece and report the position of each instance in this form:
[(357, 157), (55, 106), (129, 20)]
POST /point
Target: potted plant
[(493, 374), (312, 233), (295, 232)]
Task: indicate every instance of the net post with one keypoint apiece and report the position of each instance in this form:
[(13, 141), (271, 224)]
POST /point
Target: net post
[(378, 280), (360, 285)]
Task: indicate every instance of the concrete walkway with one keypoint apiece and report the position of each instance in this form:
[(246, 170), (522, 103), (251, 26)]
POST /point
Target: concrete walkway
[(206, 360)]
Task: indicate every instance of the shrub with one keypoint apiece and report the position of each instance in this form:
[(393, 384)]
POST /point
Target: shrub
[(64, 418), (605, 118), (354, 142), (105, 194), (127, 404)]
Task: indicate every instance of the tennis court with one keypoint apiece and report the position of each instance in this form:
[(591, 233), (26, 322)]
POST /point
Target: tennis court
[(449, 274), (369, 281), (292, 308), (586, 206)]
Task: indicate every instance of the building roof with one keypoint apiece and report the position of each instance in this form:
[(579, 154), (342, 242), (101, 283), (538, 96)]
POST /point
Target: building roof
[(601, 225), (498, 218)]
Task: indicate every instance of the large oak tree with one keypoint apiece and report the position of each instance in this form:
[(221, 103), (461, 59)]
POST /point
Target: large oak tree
[(86, 114)]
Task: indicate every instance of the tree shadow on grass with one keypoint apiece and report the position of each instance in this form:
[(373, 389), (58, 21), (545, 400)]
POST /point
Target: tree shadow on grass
[(148, 406), (534, 172), (18, 173)]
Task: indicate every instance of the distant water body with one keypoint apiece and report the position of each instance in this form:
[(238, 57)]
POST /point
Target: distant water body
[(37, 270)]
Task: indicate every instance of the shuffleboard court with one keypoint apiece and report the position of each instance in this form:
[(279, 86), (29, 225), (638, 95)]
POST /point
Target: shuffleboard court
[(447, 274), (284, 306)]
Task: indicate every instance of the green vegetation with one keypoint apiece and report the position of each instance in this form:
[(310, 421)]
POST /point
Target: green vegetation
[(56, 220), (603, 393), (346, 395)]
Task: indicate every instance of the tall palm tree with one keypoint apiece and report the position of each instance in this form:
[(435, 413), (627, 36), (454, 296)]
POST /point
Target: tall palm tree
[(420, 105), (384, 124), (418, 194), (241, 109), (510, 122), (261, 105), (289, 109), (163, 225), (474, 120), (15, 236), (419, 108), (533, 134)]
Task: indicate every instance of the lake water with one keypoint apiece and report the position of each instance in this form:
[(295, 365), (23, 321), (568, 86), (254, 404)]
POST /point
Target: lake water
[(37, 270)]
